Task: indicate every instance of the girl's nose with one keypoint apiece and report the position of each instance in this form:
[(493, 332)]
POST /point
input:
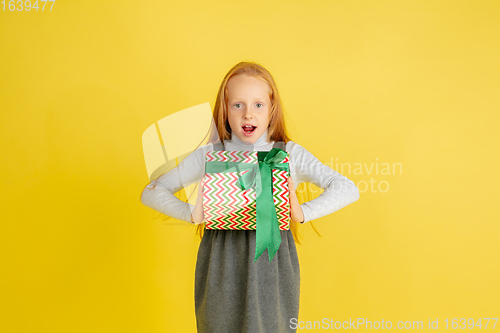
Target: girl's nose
[(248, 113)]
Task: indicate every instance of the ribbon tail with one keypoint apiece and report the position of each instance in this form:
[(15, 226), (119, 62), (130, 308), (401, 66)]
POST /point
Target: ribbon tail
[(267, 237), (267, 234), (275, 239)]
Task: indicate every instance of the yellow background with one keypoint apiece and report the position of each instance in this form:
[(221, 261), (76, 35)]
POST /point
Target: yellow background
[(370, 82)]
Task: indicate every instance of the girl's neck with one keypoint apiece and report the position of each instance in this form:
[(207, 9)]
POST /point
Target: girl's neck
[(261, 144)]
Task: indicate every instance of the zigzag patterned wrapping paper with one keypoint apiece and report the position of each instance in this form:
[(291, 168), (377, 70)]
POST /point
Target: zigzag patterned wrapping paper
[(227, 207)]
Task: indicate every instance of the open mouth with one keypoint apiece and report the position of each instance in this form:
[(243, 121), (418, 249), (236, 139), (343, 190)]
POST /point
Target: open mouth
[(249, 129)]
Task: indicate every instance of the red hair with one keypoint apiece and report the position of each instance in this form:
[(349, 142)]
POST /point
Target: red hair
[(276, 130)]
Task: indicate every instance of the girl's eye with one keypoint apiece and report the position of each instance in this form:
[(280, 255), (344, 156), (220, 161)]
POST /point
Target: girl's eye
[(258, 105)]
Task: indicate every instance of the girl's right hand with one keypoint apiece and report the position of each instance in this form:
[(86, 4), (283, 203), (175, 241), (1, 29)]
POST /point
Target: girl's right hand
[(197, 215)]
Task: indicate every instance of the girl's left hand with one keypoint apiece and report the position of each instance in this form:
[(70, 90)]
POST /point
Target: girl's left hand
[(296, 213)]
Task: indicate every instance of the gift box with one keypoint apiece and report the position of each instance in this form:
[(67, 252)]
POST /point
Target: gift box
[(247, 190)]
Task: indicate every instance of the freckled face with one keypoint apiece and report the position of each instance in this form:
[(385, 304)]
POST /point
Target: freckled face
[(248, 104)]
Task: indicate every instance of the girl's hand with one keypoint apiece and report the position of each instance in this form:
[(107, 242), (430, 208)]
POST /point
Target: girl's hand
[(296, 213), (197, 215)]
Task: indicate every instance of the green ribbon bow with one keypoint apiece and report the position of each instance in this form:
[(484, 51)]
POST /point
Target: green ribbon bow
[(268, 232)]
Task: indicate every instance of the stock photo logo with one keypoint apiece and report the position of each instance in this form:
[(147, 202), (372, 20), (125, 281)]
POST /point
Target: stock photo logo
[(379, 173), (168, 141), (375, 177), (172, 138)]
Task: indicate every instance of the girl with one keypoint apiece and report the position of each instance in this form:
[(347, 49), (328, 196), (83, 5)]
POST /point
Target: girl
[(232, 292)]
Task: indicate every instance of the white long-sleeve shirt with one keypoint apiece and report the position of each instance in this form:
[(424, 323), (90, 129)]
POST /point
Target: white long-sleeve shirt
[(339, 191)]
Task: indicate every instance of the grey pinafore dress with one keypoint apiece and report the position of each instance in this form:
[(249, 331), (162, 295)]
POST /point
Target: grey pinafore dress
[(234, 294)]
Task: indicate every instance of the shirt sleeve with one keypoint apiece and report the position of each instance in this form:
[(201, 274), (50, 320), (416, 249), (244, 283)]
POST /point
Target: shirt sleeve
[(339, 191), (159, 194)]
